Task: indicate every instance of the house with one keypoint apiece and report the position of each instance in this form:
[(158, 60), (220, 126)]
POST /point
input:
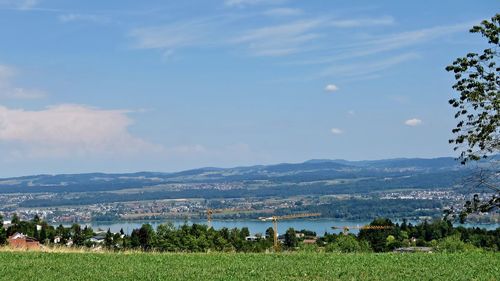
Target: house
[(98, 239), (6, 224), (299, 235), (21, 241), (251, 238), (310, 241), (413, 250), (57, 239)]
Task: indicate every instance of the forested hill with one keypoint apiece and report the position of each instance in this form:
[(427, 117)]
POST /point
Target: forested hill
[(415, 172)]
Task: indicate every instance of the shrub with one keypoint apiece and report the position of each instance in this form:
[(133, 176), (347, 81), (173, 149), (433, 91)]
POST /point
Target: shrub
[(453, 244), (347, 244)]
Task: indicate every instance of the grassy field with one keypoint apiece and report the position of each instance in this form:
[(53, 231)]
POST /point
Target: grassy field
[(220, 266)]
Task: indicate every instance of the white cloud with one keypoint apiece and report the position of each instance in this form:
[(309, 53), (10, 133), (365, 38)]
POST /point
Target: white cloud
[(282, 12), (336, 131), (351, 112), (9, 91), (70, 130), (331, 88), (413, 122), (83, 17)]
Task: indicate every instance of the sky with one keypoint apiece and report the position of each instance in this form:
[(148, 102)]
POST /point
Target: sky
[(125, 86)]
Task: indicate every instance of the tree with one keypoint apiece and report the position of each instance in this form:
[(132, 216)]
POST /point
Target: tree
[(3, 236), (108, 239), (377, 237), (346, 244), (146, 236), (15, 219), (35, 233), (270, 233), (36, 219), (43, 234), (134, 239), (477, 133), (244, 233), (478, 107), (291, 240), (77, 235)]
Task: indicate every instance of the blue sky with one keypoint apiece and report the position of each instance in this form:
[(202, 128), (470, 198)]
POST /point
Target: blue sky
[(117, 86)]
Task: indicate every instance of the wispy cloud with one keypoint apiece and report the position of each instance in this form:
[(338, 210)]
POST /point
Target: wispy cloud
[(361, 22), (244, 3), (385, 43), (282, 12), (405, 39), (10, 91), (281, 39), (83, 17), (299, 36), (176, 35), (366, 68), (19, 4)]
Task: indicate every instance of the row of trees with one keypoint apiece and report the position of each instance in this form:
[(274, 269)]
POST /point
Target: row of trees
[(436, 234), (200, 238)]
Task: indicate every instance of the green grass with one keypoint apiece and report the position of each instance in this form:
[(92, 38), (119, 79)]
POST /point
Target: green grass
[(220, 266)]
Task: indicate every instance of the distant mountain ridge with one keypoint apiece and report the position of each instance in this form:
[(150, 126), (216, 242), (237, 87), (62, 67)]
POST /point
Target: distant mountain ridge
[(308, 171)]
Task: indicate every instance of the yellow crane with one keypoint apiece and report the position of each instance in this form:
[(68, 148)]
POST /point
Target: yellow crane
[(345, 229), (211, 212), (275, 220)]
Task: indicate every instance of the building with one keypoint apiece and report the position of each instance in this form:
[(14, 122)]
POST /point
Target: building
[(251, 238), (21, 241), (299, 235), (6, 224), (310, 241), (57, 239), (98, 239), (413, 250)]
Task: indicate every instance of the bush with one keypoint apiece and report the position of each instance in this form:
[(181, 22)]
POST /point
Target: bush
[(347, 244), (453, 244), (308, 248)]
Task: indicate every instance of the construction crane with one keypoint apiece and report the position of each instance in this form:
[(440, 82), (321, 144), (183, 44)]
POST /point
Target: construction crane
[(275, 220), (345, 229), (211, 212)]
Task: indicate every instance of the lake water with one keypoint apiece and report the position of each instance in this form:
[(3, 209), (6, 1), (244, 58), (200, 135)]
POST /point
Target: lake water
[(320, 226)]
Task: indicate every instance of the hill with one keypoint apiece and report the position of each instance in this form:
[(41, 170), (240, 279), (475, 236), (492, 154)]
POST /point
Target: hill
[(408, 171)]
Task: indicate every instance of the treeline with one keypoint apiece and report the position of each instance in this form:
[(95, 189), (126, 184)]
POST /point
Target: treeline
[(438, 234), (366, 209)]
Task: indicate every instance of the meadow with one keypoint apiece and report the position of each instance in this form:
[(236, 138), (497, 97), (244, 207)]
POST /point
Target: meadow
[(475, 265)]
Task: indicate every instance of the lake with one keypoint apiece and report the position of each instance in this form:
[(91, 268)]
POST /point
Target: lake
[(320, 226)]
